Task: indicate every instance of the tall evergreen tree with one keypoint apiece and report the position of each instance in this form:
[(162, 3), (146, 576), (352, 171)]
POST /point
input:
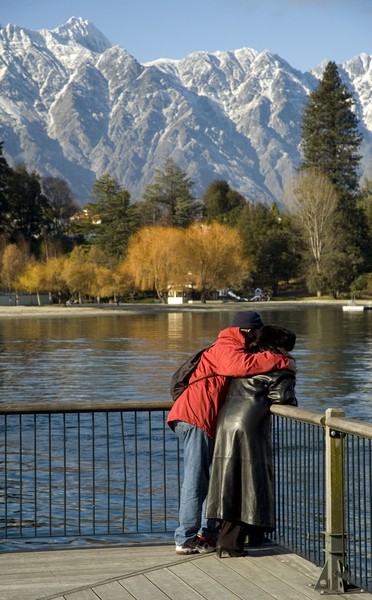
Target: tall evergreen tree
[(330, 144), (365, 202), (170, 197), (267, 242), (112, 216), (27, 207), (221, 203), (4, 168), (330, 136), (5, 172)]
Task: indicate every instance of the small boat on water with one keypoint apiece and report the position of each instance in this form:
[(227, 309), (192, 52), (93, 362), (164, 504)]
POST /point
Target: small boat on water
[(352, 306)]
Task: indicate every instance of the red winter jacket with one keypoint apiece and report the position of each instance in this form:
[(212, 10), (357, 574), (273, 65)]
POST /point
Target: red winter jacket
[(200, 402)]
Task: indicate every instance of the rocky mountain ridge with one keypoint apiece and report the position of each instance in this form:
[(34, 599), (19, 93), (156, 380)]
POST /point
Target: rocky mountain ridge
[(72, 105)]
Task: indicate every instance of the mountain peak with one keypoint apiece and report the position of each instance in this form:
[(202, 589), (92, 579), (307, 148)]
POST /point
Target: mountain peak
[(84, 33), (74, 106)]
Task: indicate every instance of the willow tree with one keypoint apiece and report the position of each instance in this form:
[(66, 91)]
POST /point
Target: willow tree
[(55, 280), (111, 283), (79, 273), (213, 257), (153, 259), (32, 279), (13, 263)]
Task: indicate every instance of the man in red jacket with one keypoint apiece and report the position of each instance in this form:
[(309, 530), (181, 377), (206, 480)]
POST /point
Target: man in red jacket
[(193, 418)]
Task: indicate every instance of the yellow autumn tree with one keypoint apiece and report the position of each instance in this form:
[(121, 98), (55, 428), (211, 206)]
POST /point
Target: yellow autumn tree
[(13, 263), (79, 273), (55, 281), (103, 278), (212, 255), (33, 279), (112, 283), (153, 259)]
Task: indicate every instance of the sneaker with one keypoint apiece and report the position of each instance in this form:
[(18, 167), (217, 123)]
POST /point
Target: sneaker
[(205, 545), (189, 547)]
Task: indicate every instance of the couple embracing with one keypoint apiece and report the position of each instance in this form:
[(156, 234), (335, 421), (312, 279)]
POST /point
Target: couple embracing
[(223, 420)]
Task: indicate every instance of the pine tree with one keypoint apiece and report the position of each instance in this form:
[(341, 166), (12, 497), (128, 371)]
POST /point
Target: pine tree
[(4, 167), (330, 136), (221, 203), (28, 210), (5, 172), (267, 243), (113, 217), (330, 144), (171, 198)]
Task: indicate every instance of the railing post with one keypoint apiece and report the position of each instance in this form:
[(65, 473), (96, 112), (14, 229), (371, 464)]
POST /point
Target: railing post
[(332, 579)]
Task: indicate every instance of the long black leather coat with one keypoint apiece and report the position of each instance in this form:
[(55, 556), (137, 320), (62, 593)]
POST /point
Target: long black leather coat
[(241, 483)]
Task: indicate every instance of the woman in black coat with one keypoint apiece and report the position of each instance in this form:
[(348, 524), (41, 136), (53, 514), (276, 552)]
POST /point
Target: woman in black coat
[(241, 492)]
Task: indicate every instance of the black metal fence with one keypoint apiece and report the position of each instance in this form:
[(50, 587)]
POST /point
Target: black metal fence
[(359, 507), (299, 461), (82, 473), (323, 472)]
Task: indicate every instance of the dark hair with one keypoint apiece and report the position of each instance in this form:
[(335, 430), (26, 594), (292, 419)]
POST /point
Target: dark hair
[(272, 338)]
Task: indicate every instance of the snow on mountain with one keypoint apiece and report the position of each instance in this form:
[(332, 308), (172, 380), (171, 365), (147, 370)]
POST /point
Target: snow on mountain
[(84, 33), (73, 106)]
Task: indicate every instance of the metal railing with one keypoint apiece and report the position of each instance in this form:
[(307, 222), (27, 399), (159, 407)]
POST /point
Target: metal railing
[(323, 473), (299, 461), (83, 471), (79, 473)]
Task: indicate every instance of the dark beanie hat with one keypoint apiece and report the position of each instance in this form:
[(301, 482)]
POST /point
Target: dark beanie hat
[(247, 319)]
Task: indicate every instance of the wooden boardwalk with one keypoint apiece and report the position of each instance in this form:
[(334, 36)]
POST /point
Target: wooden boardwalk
[(157, 573)]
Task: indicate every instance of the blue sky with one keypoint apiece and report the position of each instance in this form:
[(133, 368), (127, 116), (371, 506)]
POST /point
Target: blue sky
[(304, 32)]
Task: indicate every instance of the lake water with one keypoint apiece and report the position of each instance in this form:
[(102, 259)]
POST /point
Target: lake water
[(130, 355)]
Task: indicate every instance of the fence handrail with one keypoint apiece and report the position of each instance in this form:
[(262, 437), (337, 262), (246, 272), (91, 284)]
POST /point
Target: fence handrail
[(351, 426), (26, 408), (298, 414), (343, 424)]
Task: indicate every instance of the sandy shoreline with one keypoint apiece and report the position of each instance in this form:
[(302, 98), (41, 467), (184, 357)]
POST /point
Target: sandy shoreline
[(107, 309)]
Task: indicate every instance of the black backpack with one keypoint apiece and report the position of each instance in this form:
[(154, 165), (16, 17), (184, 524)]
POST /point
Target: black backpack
[(180, 378)]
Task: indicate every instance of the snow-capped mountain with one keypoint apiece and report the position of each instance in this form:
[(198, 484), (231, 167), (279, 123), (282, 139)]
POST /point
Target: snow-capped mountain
[(73, 106)]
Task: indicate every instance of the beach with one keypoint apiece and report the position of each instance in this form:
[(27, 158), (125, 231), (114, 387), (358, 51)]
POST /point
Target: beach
[(74, 310)]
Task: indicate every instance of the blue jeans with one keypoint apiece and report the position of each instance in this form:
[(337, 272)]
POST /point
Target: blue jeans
[(197, 459)]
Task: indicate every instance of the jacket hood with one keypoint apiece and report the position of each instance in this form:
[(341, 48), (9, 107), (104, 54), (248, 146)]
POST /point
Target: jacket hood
[(233, 333)]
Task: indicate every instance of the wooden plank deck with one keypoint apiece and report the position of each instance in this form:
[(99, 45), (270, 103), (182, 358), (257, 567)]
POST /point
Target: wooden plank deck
[(157, 573)]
